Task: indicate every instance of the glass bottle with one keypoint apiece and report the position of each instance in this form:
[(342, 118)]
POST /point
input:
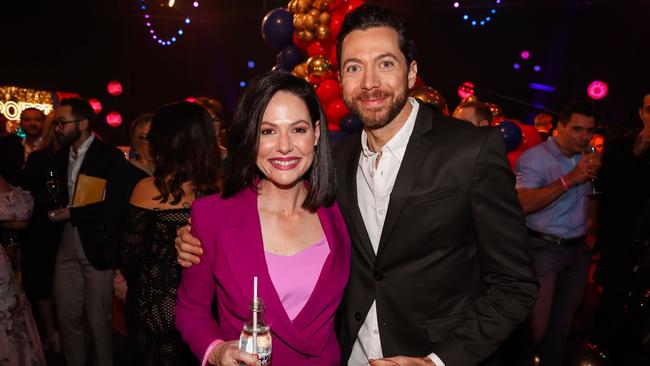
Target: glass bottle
[(257, 340)]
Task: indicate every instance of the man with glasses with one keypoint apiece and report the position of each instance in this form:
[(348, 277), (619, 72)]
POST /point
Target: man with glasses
[(82, 279)]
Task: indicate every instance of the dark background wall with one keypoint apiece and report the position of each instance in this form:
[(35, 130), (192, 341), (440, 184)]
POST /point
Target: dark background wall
[(80, 45)]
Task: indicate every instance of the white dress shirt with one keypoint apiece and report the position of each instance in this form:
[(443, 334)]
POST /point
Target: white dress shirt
[(74, 164), (375, 181)]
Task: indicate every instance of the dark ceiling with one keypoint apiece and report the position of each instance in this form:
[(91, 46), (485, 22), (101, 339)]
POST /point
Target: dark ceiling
[(79, 46)]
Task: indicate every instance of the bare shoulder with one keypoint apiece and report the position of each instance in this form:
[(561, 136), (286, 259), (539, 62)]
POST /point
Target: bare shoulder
[(144, 193)]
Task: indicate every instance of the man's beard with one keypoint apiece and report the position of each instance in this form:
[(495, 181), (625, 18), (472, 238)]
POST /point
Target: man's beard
[(68, 139), (374, 120)]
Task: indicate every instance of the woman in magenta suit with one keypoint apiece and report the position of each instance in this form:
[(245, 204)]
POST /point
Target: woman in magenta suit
[(276, 219)]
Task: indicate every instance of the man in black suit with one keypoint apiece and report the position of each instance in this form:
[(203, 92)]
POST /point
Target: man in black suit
[(82, 280), (441, 268)]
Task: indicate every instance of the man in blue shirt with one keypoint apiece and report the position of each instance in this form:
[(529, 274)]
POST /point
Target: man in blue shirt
[(553, 185)]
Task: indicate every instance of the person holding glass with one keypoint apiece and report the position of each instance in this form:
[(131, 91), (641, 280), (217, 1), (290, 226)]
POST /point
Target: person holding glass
[(275, 219), (553, 185)]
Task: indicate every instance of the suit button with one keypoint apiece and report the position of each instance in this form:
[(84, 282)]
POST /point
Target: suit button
[(357, 316), (378, 276)]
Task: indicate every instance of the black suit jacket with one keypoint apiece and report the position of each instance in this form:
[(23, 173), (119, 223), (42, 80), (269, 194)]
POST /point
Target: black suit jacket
[(453, 273), (100, 160)]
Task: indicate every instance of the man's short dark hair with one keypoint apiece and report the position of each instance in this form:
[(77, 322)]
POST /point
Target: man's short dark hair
[(81, 109), (30, 109), (371, 16), (582, 107), (481, 110)]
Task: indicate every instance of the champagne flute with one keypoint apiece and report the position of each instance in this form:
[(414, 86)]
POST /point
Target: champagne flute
[(52, 183), (591, 149)]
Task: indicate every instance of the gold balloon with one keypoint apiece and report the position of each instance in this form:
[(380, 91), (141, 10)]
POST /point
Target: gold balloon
[(324, 18), (308, 36), (318, 66), (310, 22), (300, 70), (324, 5), (315, 13), (429, 95), (497, 112), (292, 6), (322, 32), (299, 21), (302, 6)]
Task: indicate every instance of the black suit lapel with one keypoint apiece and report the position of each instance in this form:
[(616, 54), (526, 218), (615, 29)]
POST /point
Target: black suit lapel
[(91, 157), (416, 152), (363, 242)]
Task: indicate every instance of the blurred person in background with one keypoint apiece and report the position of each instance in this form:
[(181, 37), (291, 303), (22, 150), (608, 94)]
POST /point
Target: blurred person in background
[(183, 143)]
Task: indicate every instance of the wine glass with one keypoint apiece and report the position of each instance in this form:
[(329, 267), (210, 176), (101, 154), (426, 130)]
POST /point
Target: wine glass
[(590, 149), (52, 183)]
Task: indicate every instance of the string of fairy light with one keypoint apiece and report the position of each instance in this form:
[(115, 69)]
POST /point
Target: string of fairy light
[(477, 20), (155, 35)]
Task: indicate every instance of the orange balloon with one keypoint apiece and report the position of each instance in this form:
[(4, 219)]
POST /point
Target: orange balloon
[(299, 21), (324, 18), (429, 95), (318, 66), (308, 35), (322, 32), (302, 6)]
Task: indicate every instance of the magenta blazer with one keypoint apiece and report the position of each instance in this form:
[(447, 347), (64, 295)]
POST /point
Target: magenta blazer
[(231, 236)]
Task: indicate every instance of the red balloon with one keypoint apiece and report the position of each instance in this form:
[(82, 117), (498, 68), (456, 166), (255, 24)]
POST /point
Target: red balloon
[(336, 4), (300, 43), (335, 111), (512, 158), (529, 137), (336, 21), (315, 49), (333, 127), (328, 91), (351, 5), (333, 59)]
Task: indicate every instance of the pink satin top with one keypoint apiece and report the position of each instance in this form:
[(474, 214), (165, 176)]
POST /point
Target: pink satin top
[(294, 276)]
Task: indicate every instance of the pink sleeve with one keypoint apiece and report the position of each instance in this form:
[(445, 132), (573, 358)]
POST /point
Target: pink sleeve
[(209, 350), (193, 316)]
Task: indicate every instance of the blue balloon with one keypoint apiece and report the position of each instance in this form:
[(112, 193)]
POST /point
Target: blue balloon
[(351, 123), (289, 57), (336, 136), (511, 134), (277, 28)]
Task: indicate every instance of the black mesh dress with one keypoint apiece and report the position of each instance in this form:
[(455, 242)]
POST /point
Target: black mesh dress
[(153, 276)]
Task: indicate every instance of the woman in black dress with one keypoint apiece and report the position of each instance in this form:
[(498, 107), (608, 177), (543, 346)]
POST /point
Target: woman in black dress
[(183, 143)]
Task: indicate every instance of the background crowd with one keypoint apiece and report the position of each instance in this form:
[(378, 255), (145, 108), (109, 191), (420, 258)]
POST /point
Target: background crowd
[(89, 272)]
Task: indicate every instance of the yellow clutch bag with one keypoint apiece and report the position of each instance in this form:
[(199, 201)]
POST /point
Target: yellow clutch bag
[(89, 190)]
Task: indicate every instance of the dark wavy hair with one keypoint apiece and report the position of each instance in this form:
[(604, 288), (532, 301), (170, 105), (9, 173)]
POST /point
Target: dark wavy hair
[(372, 16), (183, 144), (241, 170)]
